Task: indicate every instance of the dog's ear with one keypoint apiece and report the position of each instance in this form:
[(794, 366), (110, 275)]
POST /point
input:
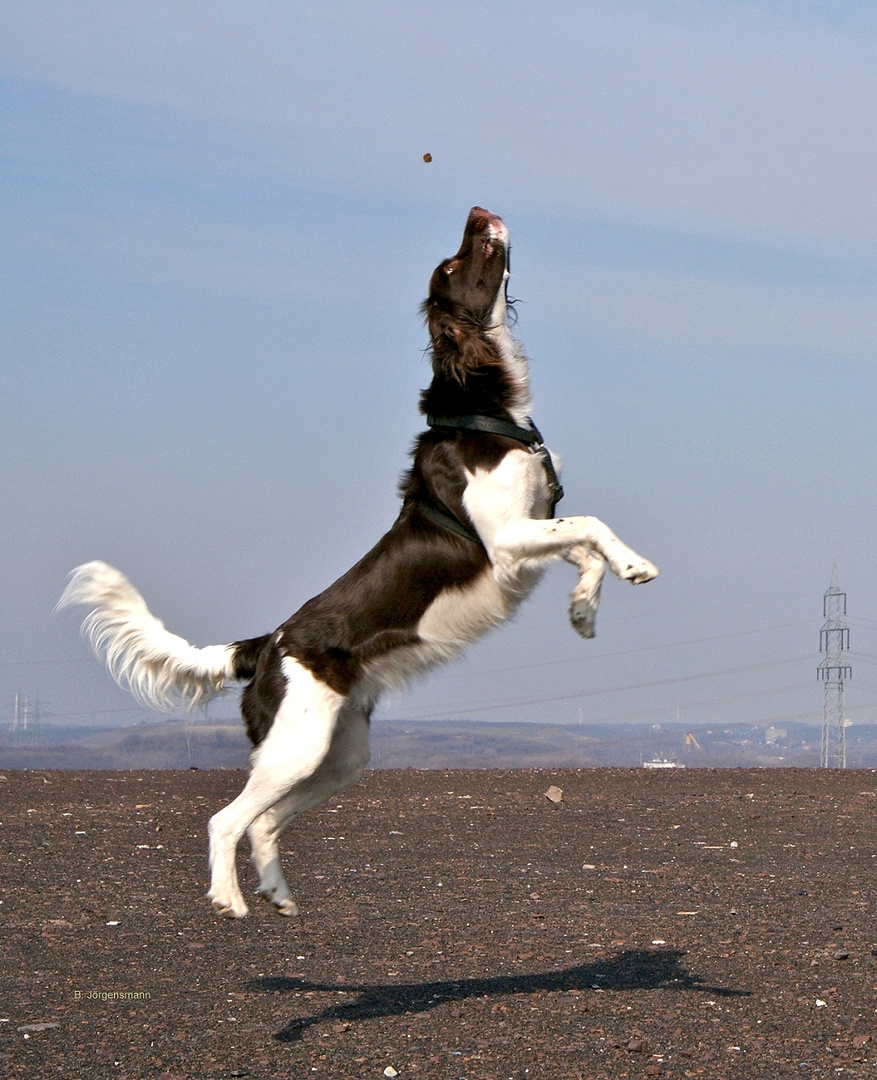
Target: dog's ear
[(459, 347), (440, 323), (475, 354)]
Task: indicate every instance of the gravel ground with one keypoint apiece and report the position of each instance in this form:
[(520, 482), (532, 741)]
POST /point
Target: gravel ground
[(693, 923)]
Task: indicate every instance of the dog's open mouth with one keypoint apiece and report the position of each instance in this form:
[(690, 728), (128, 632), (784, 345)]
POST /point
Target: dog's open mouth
[(489, 232)]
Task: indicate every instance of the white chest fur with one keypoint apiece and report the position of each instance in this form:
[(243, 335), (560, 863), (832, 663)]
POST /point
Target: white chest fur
[(516, 488), (456, 618)]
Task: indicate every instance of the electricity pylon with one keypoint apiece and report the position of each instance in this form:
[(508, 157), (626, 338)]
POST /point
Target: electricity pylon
[(834, 640)]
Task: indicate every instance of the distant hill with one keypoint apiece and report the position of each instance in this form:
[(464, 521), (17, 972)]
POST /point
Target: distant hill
[(173, 744), (459, 744)]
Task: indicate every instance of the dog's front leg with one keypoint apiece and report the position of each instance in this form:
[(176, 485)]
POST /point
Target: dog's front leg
[(531, 538), (585, 597)]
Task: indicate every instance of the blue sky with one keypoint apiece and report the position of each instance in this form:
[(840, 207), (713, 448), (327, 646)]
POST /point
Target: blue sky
[(217, 227)]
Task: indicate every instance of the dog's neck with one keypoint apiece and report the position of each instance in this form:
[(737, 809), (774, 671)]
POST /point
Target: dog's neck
[(497, 386), (497, 390), (517, 371), (516, 364)]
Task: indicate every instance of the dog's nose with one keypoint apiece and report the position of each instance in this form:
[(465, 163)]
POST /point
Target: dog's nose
[(480, 219), (482, 222)]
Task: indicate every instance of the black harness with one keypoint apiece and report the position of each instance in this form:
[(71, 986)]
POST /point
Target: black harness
[(529, 436)]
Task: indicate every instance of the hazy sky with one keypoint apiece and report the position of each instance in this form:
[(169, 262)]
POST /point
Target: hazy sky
[(217, 227)]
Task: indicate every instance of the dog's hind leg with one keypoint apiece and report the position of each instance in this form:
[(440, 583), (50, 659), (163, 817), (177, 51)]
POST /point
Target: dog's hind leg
[(264, 835), (342, 766), (295, 748)]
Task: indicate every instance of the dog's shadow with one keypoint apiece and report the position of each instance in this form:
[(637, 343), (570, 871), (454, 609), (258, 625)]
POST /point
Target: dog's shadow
[(632, 969)]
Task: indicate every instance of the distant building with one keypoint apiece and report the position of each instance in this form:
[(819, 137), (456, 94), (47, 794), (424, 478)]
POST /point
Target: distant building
[(773, 735)]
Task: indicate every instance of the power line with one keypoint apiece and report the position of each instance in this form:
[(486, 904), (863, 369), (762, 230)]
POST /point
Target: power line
[(35, 663), (621, 652), (575, 695)]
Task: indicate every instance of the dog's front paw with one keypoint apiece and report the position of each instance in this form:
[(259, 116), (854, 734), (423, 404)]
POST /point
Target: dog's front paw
[(642, 572), (634, 568), (583, 616)]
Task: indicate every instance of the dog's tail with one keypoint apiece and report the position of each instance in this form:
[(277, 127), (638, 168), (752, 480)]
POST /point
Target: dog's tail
[(162, 670)]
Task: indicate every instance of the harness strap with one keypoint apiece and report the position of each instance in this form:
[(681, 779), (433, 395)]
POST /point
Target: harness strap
[(491, 424), (448, 521), (530, 436)]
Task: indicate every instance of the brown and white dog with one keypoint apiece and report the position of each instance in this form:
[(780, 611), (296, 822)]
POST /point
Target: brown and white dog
[(475, 531)]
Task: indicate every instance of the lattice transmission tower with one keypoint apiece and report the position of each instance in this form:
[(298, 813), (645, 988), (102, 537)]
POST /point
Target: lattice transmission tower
[(26, 720), (834, 640)]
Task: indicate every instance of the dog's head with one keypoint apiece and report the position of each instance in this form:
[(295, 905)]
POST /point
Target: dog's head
[(473, 280), (467, 293)]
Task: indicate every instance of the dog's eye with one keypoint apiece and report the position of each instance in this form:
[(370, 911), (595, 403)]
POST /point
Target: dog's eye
[(451, 266)]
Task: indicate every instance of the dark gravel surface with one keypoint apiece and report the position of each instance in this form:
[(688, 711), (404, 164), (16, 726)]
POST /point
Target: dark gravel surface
[(454, 924)]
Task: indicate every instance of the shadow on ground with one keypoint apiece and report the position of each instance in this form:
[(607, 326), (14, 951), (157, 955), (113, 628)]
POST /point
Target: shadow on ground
[(632, 969)]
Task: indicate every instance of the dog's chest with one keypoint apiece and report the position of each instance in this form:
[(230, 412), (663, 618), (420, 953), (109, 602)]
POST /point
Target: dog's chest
[(459, 615), (515, 488), (454, 619)]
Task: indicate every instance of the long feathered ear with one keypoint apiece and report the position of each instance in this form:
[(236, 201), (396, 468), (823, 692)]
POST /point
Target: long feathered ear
[(459, 345)]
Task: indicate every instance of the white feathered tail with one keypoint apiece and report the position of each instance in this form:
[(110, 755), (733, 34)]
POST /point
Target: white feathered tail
[(162, 671)]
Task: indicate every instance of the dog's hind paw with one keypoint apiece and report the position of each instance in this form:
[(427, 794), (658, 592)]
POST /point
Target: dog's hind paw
[(229, 909), (283, 905)]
